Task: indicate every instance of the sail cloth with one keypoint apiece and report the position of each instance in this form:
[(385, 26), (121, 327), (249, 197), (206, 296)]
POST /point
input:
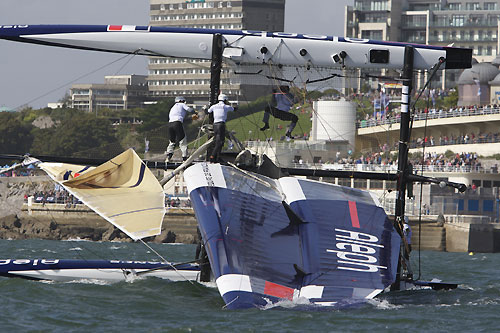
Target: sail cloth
[(123, 191), (269, 240)]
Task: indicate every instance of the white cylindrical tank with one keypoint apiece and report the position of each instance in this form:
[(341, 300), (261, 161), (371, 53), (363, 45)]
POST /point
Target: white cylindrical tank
[(334, 121)]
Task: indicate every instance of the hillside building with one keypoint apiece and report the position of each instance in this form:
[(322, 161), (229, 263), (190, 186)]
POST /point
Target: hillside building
[(119, 92), (191, 78), (461, 23)]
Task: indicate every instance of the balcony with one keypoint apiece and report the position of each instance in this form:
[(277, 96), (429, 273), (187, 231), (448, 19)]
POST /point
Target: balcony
[(449, 39), (455, 25), (454, 113)]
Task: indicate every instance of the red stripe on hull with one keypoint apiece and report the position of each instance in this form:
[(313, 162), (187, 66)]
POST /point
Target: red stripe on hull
[(353, 210), (276, 290)]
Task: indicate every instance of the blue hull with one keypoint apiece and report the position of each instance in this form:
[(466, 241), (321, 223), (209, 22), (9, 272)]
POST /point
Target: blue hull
[(291, 239)]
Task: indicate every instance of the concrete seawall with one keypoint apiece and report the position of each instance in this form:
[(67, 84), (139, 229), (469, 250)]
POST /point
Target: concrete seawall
[(457, 237), (56, 221)]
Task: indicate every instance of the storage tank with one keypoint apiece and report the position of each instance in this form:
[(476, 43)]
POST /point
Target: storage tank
[(334, 121)]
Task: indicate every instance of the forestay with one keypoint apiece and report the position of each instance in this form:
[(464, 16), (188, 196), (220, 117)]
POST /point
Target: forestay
[(123, 191)]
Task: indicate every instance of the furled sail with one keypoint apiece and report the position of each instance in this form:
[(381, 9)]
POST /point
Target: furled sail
[(123, 191)]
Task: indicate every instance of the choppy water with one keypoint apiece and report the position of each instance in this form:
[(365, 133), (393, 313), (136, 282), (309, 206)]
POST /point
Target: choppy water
[(154, 305)]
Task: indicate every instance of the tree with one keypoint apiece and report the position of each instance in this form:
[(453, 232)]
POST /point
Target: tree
[(15, 137), (75, 135), (156, 115)]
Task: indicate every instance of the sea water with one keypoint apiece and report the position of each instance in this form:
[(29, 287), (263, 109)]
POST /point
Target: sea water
[(155, 305)]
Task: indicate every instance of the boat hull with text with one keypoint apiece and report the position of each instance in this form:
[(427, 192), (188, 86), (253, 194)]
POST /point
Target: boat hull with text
[(291, 239), (240, 46), (65, 270)]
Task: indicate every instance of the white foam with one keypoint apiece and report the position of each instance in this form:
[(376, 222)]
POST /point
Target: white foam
[(383, 304), (288, 304)]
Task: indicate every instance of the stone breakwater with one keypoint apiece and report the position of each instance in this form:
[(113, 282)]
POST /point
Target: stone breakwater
[(58, 222), (51, 221)]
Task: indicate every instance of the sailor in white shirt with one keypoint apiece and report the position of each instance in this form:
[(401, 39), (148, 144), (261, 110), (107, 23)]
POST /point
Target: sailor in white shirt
[(176, 127), (219, 111)]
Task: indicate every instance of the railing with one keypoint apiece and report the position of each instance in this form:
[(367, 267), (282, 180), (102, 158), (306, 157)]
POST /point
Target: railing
[(463, 24), (462, 39), (298, 144), (394, 167), (438, 114)]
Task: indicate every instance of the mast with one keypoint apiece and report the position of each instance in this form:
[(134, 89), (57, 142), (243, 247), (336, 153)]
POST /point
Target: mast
[(404, 132), (215, 72), (403, 169), (215, 68)]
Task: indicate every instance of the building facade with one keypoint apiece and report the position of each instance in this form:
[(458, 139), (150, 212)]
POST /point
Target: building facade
[(461, 23), (120, 92), (191, 78)]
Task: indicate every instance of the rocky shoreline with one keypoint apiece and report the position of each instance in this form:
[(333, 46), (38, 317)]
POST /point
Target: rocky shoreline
[(58, 222)]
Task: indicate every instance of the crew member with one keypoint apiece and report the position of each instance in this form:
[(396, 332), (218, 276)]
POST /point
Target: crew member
[(176, 128), (280, 108), (219, 111)]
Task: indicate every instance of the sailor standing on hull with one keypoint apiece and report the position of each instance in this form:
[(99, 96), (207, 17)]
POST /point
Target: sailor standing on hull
[(219, 111), (282, 103), (176, 128)]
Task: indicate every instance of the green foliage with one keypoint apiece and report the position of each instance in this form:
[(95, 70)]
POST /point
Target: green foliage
[(15, 136), (155, 115), (247, 121), (73, 136), (451, 100)]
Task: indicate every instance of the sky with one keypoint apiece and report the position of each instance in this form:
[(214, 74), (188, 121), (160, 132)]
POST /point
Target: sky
[(34, 75)]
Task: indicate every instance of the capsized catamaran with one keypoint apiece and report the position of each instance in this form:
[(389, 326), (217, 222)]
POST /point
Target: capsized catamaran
[(125, 193), (276, 237)]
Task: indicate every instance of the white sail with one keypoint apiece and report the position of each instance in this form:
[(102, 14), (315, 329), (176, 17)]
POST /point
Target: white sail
[(123, 191)]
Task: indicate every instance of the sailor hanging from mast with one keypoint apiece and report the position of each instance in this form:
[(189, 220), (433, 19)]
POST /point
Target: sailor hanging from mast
[(282, 102), (219, 111), (176, 131)]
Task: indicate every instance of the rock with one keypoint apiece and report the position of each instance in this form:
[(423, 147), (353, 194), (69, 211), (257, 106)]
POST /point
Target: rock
[(165, 237), (53, 225)]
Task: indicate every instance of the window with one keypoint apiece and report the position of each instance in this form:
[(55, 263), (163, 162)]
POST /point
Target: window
[(472, 6), (455, 6), (490, 6), (379, 5), (457, 20)]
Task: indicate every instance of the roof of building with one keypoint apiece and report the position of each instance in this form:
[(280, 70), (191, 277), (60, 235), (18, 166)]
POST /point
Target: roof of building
[(496, 80), (6, 109), (496, 61), (483, 71)]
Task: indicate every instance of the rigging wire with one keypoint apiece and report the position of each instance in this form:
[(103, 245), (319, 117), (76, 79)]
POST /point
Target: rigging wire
[(427, 86), (166, 261), (422, 185), (73, 81)]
